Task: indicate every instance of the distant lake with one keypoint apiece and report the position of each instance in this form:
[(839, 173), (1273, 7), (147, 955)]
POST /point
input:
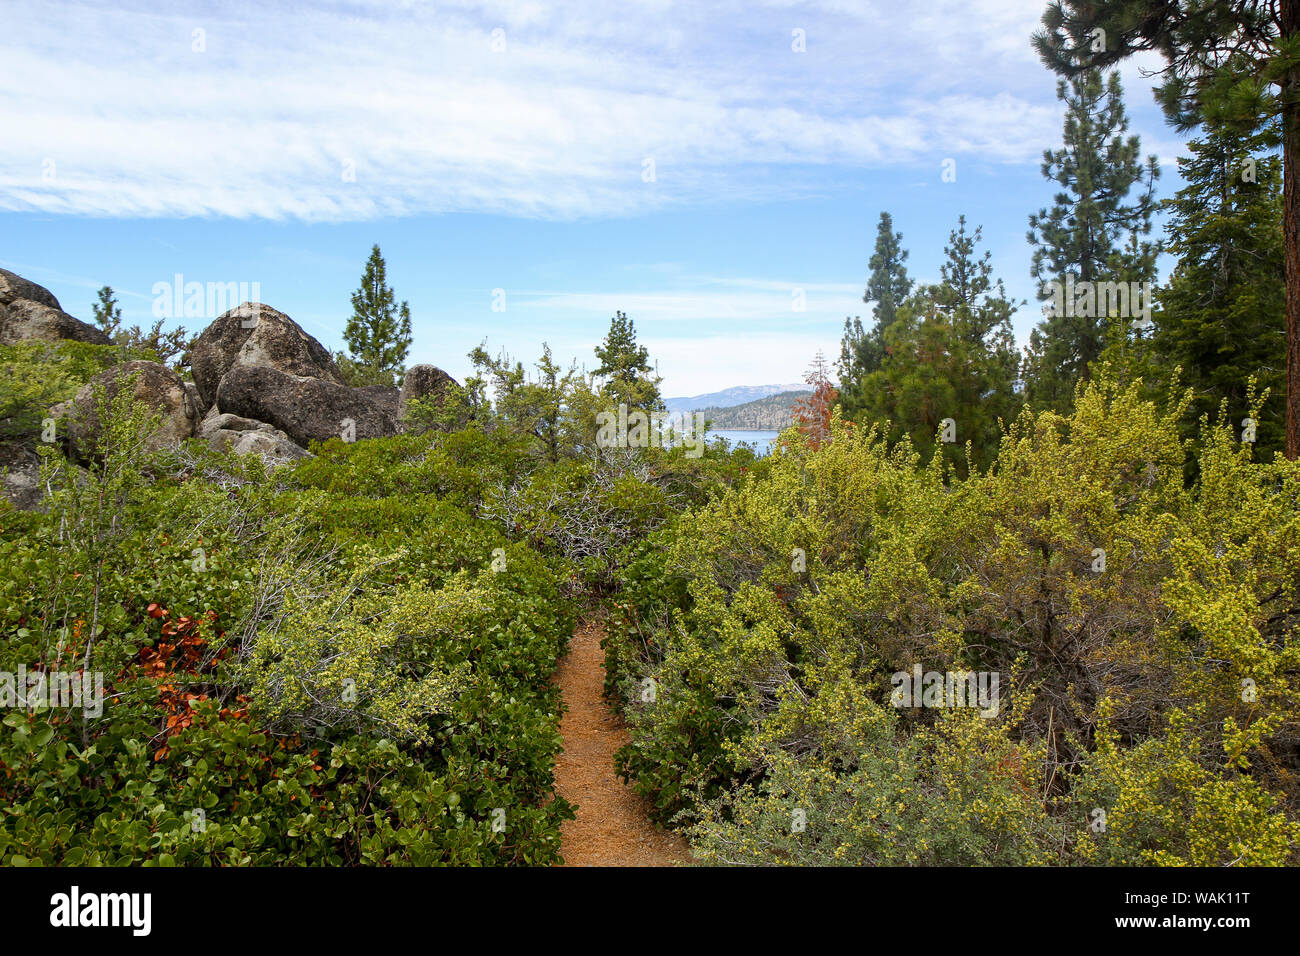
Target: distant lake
[(760, 441)]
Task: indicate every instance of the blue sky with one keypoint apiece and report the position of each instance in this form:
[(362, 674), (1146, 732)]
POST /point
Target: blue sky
[(683, 162)]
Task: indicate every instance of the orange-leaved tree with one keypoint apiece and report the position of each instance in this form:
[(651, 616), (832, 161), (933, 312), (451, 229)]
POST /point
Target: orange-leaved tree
[(813, 414)]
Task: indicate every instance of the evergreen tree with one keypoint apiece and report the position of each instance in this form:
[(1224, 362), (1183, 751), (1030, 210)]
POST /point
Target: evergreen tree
[(852, 364), (625, 368), (107, 312), (862, 350), (950, 354), (920, 382), (1093, 231), (378, 335), (980, 314), (535, 407), (1238, 56), (170, 348), (889, 284), (1222, 319)]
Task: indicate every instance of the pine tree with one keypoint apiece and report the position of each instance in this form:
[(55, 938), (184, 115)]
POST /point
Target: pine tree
[(889, 284), (978, 303), (378, 335), (980, 314), (1239, 56), (170, 348), (1222, 319), (1092, 233), (107, 312), (862, 351), (920, 382), (625, 367), (950, 354)]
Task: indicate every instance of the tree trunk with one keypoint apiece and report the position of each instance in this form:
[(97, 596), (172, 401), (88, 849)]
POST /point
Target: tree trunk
[(1290, 23)]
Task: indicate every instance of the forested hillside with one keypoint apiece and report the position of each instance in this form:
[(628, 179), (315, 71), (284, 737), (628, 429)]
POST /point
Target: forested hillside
[(773, 413)]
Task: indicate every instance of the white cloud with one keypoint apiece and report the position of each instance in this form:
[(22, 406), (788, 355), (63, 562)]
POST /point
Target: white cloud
[(704, 332), (264, 121), (691, 365), (744, 300), (699, 365)]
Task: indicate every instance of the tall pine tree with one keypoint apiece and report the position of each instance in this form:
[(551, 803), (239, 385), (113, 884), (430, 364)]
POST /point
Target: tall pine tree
[(625, 368), (980, 315), (1092, 233), (950, 354), (1239, 55), (863, 350), (378, 335), (1222, 319)]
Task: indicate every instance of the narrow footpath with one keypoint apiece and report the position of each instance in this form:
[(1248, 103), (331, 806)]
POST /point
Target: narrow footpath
[(612, 827)]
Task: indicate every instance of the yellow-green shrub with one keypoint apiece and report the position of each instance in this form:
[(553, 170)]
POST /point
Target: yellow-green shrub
[(1080, 567)]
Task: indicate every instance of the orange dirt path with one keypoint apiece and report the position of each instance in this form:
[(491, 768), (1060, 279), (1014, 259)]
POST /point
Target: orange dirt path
[(612, 828)]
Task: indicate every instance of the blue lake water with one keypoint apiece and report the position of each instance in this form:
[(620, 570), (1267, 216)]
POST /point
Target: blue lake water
[(760, 440)]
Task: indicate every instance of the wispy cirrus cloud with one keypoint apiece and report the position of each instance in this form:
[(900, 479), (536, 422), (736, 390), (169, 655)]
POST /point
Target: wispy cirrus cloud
[(359, 110), (713, 299)]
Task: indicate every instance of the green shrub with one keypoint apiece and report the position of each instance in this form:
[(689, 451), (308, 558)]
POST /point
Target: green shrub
[(1080, 568), (223, 605), (959, 794), (1169, 802), (36, 375)]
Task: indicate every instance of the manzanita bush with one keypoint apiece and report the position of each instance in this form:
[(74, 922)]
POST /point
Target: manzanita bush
[(291, 674)]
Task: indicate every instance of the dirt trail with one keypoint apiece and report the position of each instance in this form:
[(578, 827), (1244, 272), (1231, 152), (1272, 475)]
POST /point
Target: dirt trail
[(612, 828)]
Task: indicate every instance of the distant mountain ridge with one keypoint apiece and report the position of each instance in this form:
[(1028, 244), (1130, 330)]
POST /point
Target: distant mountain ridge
[(729, 397), (772, 413)]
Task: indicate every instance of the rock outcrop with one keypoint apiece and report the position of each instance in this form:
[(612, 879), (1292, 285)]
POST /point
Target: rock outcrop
[(216, 420), (20, 476), (30, 312), (245, 436), (432, 384), (13, 286), (270, 443), (253, 335), (387, 397), (156, 386), (196, 399), (421, 381), (304, 408), (261, 384)]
